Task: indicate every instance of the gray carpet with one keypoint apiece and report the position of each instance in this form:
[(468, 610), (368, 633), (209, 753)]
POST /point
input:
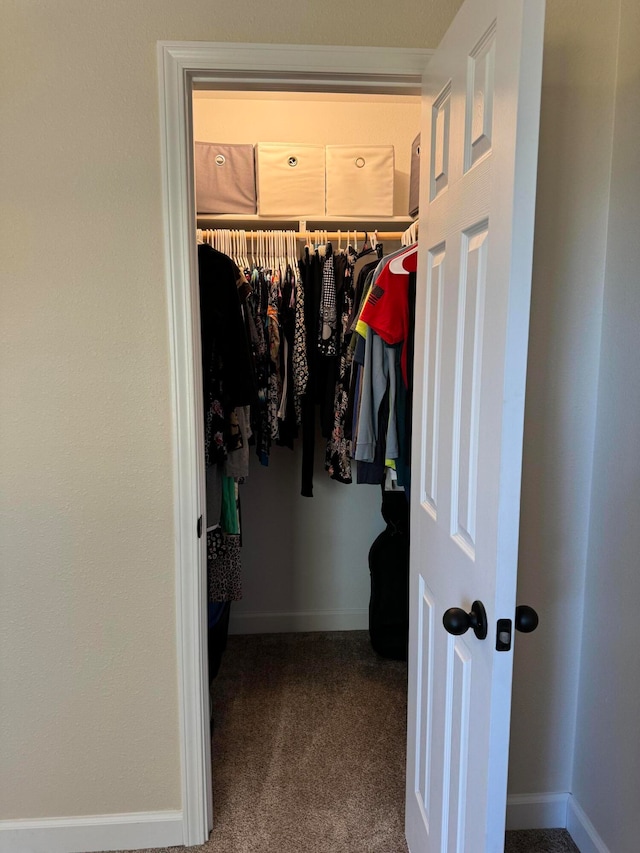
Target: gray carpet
[(307, 737), (308, 750), (540, 841)]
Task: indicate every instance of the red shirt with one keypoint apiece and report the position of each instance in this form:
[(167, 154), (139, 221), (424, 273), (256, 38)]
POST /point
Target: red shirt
[(387, 310)]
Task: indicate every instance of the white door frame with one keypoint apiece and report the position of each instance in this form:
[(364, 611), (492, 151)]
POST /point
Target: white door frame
[(181, 65)]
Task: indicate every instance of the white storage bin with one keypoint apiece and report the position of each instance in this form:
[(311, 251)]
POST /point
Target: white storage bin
[(225, 178), (360, 180), (414, 180), (290, 179)]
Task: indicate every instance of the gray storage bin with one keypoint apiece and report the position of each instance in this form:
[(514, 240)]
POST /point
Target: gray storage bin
[(414, 180), (225, 178)]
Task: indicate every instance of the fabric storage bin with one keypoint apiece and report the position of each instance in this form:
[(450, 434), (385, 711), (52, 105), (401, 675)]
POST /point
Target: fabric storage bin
[(360, 180), (414, 179), (225, 178), (290, 179)]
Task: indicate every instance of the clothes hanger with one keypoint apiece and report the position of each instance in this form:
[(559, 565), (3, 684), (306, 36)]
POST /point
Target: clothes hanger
[(328, 248), (410, 236), (406, 262), (283, 252), (245, 251)]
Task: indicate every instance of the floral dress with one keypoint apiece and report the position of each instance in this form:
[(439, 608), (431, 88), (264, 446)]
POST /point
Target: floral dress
[(338, 452)]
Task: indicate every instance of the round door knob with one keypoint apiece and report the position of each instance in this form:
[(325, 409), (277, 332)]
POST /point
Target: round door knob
[(526, 619), (457, 622)]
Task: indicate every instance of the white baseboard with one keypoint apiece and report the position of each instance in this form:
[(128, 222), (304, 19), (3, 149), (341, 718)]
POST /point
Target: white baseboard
[(311, 620), (537, 811), (90, 834), (582, 830)]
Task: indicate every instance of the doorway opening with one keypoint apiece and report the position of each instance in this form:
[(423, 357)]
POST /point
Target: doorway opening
[(314, 73)]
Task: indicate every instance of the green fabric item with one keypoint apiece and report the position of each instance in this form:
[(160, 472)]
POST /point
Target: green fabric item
[(229, 520)]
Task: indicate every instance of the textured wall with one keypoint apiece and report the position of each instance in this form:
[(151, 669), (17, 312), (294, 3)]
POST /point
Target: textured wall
[(566, 310), (87, 650), (607, 767)]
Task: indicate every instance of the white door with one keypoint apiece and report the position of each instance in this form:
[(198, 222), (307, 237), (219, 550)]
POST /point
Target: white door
[(478, 178)]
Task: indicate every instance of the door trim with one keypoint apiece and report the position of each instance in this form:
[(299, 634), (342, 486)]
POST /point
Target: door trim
[(181, 67)]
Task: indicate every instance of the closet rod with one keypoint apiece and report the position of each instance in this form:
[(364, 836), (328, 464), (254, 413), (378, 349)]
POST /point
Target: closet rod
[(330, 235)]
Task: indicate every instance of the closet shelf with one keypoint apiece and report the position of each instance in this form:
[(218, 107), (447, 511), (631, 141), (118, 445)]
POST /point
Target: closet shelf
[(312, 222)]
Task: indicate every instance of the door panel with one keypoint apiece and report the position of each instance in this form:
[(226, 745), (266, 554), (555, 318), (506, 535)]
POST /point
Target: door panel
[(480, 120)]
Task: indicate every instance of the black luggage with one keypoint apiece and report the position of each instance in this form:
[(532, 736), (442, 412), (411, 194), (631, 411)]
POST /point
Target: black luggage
[(389, 568)]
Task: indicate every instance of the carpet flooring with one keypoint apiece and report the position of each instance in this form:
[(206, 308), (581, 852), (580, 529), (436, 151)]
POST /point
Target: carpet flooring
[(308, 750), (540, 841)]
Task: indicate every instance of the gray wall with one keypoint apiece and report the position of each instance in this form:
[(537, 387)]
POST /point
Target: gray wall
[(606, 778), (568, 277)]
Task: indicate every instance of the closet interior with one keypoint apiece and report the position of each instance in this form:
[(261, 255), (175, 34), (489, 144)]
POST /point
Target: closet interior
[(304, 559), (306, 562)]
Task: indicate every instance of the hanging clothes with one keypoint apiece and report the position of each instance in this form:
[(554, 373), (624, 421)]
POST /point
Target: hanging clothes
[(257, 305), (311, 276), (329, 334), (287, 413), (224, 567), (274, 386), (327, 327), (228, 385), (387, 309), (338, 452), (300, 362), (380, 390), (226, 359)]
